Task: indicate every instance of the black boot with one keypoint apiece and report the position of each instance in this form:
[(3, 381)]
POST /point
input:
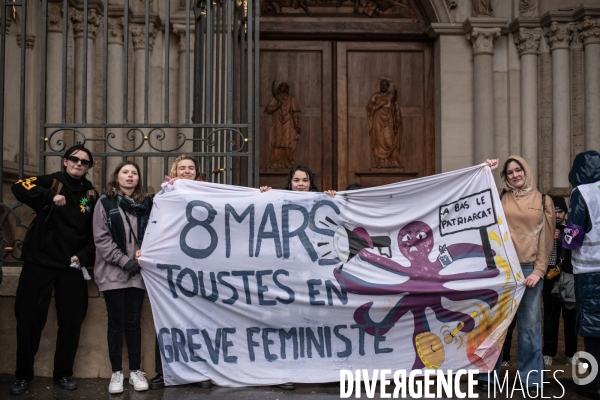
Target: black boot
[(66, 383), (20, 386), (157, 382)]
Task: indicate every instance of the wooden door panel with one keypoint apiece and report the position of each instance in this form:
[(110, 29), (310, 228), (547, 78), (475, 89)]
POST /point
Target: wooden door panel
[(306, 67), (359, 66)]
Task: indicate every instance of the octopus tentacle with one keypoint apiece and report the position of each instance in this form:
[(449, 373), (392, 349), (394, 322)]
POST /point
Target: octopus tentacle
[(487, 295)]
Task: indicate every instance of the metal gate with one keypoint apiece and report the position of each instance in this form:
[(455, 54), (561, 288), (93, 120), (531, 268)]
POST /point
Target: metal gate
[(143, 80)]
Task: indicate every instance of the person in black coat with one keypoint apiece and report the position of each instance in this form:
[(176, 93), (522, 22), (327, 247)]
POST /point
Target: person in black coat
[(553, 306), (57, 245), (582, 236)]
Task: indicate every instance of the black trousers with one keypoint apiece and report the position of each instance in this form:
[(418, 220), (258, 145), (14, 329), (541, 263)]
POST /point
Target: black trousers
[(508, 340), (34, 293), (157, 359), (124, 308), (552, 310)]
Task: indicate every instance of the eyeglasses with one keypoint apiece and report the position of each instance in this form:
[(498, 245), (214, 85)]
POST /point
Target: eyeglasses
[(75, 160)]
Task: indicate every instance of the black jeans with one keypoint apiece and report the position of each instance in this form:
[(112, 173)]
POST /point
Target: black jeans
[(552, 310), (34, 294), (124, 308)]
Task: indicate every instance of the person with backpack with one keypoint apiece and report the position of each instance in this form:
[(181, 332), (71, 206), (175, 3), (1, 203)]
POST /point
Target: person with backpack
[(560, 264), (57, 247), (531, 223), (120, 221)]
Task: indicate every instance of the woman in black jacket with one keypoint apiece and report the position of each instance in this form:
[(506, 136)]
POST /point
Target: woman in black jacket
[(58, 244)]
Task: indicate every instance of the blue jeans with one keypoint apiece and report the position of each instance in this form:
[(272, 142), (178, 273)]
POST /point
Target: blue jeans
[(529, 321)]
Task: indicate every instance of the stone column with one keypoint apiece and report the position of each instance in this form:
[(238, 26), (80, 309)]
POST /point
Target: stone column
[(114, 100), (179, 29), (577, 96), (590, 33), (94, 20), (483, 94), (558, 39), (32, 97), (54, 51), (138, 34), (528, 41), (545, 116)]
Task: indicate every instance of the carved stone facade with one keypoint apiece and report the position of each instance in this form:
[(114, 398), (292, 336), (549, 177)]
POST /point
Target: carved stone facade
[(577, 96), (590, 30), (527, 40), (545, 116), (138, 35), (528, 8), (483, 40), (115, 30), (55, 17), (29, 41), (94, 21), (179, 30), (558, 35)]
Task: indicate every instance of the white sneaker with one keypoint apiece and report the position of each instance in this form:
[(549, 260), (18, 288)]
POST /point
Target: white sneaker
[(547, 360), (572, 360), (138, 380), (116, 383), (505, 364)]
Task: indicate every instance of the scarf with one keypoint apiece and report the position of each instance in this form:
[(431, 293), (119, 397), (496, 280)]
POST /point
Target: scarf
[(114, 219)]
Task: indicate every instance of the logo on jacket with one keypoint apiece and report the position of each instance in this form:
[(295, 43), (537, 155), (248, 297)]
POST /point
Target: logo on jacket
[(27, 183), (83, 205)]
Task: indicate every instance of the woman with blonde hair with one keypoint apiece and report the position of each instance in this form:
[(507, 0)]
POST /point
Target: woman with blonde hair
[(120, 220), (184, 167)]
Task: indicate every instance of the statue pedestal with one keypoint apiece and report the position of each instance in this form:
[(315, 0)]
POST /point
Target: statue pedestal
[(387, 170), (384, 176)]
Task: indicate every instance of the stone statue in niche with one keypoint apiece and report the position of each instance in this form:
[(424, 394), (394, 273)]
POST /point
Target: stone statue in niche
[(373, 8), (528, 8), (370, 8), (482, 8), (385, 125), (284, 131)]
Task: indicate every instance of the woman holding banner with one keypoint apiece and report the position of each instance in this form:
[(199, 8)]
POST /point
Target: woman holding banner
[(300, 179), (531, 222), (120, 220), (184, 167)]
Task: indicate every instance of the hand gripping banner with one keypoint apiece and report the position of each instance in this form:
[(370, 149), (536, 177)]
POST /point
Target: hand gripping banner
[(252, 288)]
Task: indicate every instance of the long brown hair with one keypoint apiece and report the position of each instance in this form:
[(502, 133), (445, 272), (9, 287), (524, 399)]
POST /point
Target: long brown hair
[(112, 187)]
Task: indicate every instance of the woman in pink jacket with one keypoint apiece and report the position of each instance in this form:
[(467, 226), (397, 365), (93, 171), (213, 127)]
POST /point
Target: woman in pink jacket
[(120, 219)]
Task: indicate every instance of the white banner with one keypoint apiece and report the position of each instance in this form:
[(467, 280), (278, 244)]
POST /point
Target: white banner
[(252, 288)]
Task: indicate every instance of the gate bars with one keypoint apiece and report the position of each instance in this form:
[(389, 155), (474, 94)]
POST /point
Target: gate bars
[(125, 93)]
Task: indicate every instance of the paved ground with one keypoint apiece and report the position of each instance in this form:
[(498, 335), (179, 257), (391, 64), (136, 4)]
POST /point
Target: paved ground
[(44, 389)]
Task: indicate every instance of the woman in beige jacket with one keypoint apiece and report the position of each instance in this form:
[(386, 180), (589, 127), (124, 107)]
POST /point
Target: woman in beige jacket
[(531, 221)]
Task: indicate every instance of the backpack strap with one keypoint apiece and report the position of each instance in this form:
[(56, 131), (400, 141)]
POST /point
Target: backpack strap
[(56, 188), (502, 193), (543, 202), (92, 196)]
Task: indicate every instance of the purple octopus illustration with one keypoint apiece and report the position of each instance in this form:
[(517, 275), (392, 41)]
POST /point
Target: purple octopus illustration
[(425, 287)]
